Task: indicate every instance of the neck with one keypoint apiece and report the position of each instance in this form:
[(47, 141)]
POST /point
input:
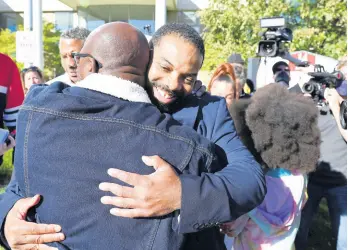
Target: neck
[(129, 76)]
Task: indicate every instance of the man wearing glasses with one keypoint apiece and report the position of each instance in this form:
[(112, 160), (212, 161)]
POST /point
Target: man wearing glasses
[(71, 41)]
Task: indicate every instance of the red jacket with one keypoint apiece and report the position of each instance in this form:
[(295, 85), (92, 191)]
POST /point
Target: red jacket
[(11, 92)]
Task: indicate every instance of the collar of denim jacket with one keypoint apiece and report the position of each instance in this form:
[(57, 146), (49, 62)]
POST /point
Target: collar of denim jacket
[(115, 86)]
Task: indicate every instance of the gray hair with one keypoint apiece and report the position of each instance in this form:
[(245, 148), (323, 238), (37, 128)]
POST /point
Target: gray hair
[(239, 72), (76, 33)]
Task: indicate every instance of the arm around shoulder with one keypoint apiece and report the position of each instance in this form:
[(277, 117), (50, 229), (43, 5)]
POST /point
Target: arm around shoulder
[(213, 198)]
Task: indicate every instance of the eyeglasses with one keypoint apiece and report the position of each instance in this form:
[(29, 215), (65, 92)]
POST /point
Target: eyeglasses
[(77, 56), (31, 68)]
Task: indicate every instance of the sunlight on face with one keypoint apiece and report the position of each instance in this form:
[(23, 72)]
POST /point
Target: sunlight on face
[(223, 88), (31, 78), (174, 69)]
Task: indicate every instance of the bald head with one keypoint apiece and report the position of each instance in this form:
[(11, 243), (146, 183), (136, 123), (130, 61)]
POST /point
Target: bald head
[(121, 49)]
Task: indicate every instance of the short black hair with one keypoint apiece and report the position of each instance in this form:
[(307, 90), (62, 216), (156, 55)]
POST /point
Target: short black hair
[(277, 64), (182, 30)]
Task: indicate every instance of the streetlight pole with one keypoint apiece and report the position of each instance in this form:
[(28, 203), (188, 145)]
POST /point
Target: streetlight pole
[(37, 28)]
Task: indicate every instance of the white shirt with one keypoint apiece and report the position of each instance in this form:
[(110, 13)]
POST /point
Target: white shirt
[(62, 78)]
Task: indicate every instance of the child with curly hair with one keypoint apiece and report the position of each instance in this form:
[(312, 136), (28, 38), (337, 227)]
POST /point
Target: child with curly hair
[(280, 129)]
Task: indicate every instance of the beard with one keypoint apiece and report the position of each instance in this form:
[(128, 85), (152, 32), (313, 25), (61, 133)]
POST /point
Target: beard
[(163, 107)]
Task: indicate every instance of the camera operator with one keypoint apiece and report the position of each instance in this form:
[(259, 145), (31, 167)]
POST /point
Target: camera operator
[(281, 75), (329, 180)]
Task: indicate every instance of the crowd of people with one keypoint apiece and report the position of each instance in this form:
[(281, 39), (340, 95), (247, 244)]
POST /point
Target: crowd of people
[(127, 150)]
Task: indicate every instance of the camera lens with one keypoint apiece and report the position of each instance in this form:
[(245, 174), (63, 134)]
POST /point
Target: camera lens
[(267, 48), (308, 87)]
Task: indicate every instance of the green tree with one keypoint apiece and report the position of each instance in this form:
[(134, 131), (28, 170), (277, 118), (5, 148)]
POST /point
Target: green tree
[(234, 26), (51, 37), (8, 45)]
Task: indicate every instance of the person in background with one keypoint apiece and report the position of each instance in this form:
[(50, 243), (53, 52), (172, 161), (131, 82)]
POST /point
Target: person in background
[(286, 158), (281, 75), (249, 87), (11, 94), (236, 58), (223, 83), (30, 76), (241, 79), (238, 64), (329, 180), (70, 41)]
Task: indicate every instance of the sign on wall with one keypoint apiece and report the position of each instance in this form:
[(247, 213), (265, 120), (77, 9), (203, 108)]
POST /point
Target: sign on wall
[(25, 46)]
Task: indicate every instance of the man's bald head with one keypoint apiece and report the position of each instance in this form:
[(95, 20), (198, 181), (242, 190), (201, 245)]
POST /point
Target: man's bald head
[(120, 48)]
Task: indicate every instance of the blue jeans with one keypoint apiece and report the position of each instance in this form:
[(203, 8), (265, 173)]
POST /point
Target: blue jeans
[(337, 202)]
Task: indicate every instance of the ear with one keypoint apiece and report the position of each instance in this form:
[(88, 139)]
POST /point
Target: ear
[(91, 65)]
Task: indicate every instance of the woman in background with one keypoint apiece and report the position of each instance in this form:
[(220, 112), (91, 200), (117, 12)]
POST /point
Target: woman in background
[(223, 83), (30, 76)]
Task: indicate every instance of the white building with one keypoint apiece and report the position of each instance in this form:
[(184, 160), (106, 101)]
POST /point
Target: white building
[(146, 15)]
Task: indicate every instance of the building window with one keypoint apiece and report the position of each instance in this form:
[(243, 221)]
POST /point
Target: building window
[(142, 17), (10, 21), (64, 20), (189, 17)]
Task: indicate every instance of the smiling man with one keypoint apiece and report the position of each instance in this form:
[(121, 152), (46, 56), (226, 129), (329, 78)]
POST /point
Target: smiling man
[(172, 73), (208, 199), (203, 201)]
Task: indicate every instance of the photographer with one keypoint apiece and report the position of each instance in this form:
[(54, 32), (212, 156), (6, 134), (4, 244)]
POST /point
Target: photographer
[(329, 180)]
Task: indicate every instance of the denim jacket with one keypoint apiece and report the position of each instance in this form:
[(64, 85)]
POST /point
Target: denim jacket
[(67, 138)]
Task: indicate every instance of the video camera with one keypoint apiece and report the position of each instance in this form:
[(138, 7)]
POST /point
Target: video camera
[(275, 41), (320, 81)]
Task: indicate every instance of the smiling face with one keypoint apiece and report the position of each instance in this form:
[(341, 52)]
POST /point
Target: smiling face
[(173, 71)]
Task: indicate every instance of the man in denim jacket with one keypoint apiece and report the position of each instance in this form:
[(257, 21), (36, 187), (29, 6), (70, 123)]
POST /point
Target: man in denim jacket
[(204, 201), (59, 156)]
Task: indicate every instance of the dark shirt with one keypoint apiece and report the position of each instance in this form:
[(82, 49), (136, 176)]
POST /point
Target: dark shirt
[(332, 167), (296, 89)]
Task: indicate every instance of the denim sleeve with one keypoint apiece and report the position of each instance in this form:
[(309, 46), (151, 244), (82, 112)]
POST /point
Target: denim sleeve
[(7, 201), (213, 198)]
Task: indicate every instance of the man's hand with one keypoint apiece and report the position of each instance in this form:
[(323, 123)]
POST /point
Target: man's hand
[(21, 234), (4, 147), (198, 89), (156, 194)]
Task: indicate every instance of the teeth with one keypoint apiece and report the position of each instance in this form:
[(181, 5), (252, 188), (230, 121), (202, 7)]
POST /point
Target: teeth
[(164, 93)]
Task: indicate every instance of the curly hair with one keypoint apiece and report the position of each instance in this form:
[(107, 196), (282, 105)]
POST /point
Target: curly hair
[(284, 128), (226, 70)]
